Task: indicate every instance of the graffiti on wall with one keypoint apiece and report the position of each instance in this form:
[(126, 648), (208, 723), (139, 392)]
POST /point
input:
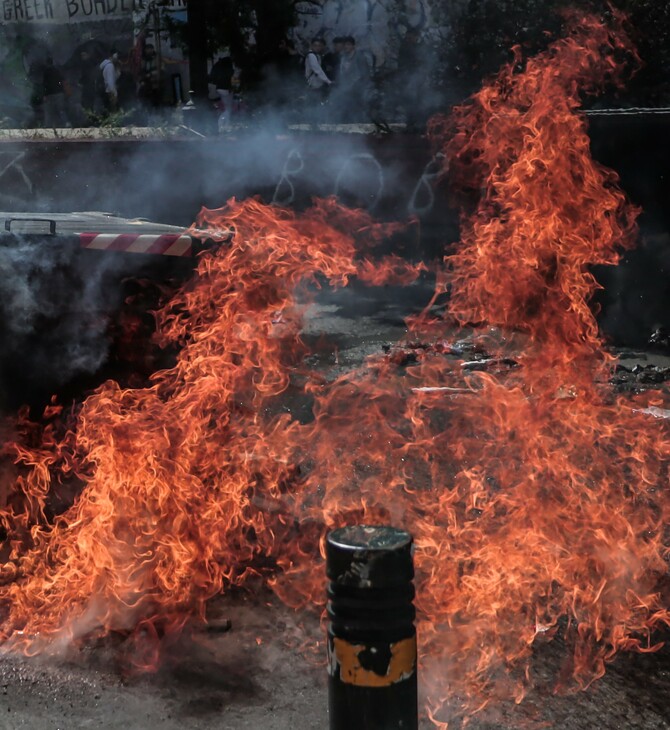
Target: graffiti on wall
[(360, 181), (74, 11), (377, 25), (24, 48), (16, 186), (32, 30)]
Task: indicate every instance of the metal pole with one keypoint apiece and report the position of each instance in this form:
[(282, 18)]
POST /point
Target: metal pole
[(371, 634), (197, 47), (159, 53)]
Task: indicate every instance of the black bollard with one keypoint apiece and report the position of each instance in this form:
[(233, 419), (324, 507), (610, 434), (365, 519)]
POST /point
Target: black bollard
[(371, 633)]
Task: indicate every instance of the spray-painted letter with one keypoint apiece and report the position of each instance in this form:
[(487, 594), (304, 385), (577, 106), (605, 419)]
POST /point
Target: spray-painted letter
[(293, 166), (424, 187)]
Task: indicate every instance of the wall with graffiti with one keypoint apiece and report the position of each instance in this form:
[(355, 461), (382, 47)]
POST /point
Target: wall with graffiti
[(32, 30), (377, 25)]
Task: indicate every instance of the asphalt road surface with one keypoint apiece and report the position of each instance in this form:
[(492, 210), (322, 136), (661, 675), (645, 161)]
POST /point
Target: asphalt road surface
[(254, 676)]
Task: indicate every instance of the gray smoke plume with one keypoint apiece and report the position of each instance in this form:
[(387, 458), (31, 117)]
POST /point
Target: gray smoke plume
[(55, 304)]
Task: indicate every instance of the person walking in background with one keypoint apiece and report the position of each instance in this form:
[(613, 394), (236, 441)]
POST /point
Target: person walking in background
[(282, 79), (331, 60), (111, 72), (317, 79), (354, 82), (224, 76), (289, 66), (88, 77), (54, 95), (287, 58), (148, 83)]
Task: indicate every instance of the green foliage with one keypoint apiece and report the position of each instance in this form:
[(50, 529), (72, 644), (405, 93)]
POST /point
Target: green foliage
[(110, 120)]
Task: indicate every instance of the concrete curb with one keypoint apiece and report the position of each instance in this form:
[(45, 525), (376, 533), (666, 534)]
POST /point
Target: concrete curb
[(176, 132)]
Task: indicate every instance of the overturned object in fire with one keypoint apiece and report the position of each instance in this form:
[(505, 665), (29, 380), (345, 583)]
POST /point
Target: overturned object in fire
[(98, 231), (371, 634)]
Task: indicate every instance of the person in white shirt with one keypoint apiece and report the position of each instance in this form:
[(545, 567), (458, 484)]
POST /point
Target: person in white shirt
[(110, 76), (316, 77)]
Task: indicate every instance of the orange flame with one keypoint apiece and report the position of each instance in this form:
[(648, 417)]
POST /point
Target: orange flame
[(183, 480), (537, 495)]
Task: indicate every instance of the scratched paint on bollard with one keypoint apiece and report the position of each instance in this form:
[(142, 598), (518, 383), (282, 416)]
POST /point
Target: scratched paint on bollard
[(346, 658)]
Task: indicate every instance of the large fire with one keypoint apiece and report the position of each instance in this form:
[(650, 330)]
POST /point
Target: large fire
[(536, 494)]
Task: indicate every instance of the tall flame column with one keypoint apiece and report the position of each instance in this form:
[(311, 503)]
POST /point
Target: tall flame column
[(371, 632)]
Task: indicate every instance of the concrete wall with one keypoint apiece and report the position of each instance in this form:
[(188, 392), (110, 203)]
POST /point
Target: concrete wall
[(393, 176), (169, 180)]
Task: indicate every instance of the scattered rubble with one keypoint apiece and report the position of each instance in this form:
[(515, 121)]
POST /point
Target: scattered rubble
[(634, 372)]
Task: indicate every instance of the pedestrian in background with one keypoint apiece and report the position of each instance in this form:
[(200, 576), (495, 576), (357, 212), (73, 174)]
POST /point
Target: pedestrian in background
[(53, 85), (354, 83), (88, 81), (316, 77), (331, 60), (226, 77), (111, 72), (290, 65), (148, 83)]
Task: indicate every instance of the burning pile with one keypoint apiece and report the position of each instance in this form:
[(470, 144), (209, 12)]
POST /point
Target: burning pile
[(537, 496), (182, 481)]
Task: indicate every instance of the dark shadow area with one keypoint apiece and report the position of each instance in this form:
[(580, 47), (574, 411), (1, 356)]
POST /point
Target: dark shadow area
[(636, 297)]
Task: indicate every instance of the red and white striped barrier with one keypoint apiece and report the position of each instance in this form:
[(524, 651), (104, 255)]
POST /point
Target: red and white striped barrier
[(166, 244)]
